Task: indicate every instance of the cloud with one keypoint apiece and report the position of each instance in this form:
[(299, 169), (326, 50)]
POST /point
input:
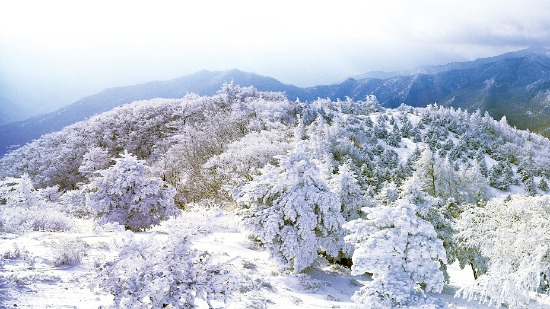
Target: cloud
[(129, 41), (482, 23)]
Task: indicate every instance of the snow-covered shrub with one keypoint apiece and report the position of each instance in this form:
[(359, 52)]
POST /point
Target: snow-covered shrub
[(199, 220), (68, 253), (402, 252), (125, 193), (24, 210), (312, 284), (22, 220), (153, 274), (13, 253), (514, 235), (94, 160), (292, 211), (74, 203)]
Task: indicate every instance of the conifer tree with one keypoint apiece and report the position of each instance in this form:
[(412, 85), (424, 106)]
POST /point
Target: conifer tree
[(292, 211), (543, 185), (402, 252), (352, 198)]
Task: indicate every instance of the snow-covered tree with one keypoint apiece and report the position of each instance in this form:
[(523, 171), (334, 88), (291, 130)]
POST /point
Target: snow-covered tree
[(501, 176), (352, 197), (18, 192), (543, 185), (388, 194), (425, 171), (24, 209), (438, 213), (514, 235), (371, 104), (452, 192), (402, 252), (243, 158), (352, 200), (446, 180), (450, 181), (474, 187), (530, 185), (125, 193), (292, 211), (95, 159)]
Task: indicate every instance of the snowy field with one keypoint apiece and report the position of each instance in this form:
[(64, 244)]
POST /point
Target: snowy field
[(60, 270)]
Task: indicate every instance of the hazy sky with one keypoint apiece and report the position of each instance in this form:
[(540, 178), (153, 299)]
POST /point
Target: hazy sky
[(82, 46)]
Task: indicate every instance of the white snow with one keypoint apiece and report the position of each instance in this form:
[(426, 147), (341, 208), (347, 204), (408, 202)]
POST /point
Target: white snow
[(29, 278)]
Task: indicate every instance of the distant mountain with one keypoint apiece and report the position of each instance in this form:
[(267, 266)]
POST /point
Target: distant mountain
[(515, 84), (431, 69)]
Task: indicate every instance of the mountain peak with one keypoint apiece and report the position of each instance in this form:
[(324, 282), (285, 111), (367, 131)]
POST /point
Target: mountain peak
[(532, 50)]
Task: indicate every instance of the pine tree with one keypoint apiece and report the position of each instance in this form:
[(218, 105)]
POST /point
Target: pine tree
[(402, 252), (501, 176), (543, 185), (292, 211), (425, 171), (483, 167), (352, 197), (530, 186)]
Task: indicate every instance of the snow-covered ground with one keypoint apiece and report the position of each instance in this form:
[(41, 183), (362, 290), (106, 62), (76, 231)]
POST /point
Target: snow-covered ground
[(35, 271)]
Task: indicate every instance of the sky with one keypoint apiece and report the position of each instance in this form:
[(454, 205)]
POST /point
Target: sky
[(64, 49)]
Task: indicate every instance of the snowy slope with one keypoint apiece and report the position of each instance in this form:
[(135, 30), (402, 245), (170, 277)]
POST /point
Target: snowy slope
[(29, 278), (321, 164)]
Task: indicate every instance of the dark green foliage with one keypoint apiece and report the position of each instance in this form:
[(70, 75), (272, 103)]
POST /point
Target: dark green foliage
[(501, 176), (543, 185)]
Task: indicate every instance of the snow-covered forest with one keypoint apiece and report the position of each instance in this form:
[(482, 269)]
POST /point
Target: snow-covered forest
[(245, 199)]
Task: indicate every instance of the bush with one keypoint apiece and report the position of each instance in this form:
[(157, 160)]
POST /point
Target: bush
[(165, 274), (22, 220), (68, 253), (23, 209), (514, 235), (124, 193)]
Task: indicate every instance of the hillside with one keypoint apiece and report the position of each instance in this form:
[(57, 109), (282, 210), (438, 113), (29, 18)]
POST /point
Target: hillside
[(341, 198), (202, 83), (515, 85)]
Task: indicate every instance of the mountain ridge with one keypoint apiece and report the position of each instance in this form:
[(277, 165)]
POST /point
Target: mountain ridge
[(515, 85)]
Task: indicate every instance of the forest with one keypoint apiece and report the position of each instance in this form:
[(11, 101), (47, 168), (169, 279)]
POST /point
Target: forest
[(393, 195)]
